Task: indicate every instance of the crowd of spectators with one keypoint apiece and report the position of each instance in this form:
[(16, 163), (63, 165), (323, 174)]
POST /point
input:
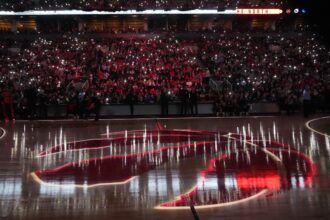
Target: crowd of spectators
[(270, 68), (115, 70), (246, 68), (113, 5), (109, 67)]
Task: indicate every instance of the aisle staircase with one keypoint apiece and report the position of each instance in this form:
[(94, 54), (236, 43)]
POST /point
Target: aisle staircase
[(220, 85)]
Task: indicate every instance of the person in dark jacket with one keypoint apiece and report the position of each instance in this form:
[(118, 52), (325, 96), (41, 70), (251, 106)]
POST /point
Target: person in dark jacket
[(31, 99), (130, 99), (93, 106), (183, 95), (7, 105), (42, 108), (193, 102), (82, 97), (306, 95), (164, 99), (73, 106)]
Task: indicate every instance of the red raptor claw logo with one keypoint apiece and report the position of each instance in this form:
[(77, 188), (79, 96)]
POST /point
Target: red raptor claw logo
[(242, 168)]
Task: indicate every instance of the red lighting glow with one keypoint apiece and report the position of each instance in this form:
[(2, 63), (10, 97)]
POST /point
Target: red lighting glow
[(260, 179)]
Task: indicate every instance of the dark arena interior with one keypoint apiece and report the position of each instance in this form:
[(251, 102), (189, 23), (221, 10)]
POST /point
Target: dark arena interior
[(164, 109)]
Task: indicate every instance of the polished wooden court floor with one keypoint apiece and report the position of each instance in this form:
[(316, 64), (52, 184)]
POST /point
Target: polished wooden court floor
[(23, 197)]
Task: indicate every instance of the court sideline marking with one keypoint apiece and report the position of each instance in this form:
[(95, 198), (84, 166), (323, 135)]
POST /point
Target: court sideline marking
[(308, 125), (3, 133)]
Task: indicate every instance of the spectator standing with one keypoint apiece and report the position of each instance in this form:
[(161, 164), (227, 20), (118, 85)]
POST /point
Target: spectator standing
[(82, 104), (130, 98), (193, 102), (183, 95), (94, 106), (306, 101), (31, 98), (164, 99), (7, 105)]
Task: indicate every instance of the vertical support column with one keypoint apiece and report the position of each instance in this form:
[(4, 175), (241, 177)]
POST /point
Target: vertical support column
[(80, 25), (230, 24), (188, 24), (145, 27), (14, 26), (166, 23), (273, 25), (124, 24), (58, 26)]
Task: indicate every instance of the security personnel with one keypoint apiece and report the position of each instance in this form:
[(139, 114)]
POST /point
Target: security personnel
[(183, 95), (164, 99)]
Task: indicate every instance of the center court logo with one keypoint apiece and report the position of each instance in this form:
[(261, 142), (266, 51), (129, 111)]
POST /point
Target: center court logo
[(242, 168)]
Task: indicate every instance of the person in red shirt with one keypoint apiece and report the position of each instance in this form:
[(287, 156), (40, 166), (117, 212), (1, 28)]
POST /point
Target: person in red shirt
[(7, 104)]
